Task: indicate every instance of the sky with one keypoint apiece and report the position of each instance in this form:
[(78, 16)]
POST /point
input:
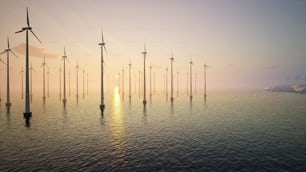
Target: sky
[(245, 43)]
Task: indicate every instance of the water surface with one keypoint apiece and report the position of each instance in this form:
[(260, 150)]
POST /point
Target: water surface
[(232, 131)]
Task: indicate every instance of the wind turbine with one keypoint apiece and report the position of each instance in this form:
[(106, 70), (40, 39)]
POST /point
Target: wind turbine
[(190, 94), (44, 64), (205, 95), (27, 114), (172, 59), (144, 75), (31, 93), (64, 58), (150, 82), (130, 66), (8, 51), (77, 80), (102, 45)]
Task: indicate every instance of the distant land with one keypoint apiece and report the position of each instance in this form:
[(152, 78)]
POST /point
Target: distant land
[(298, 88)]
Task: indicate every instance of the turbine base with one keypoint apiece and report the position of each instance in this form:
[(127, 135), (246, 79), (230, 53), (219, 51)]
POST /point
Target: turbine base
[(144, 102), (8, 104), (27, 115), (102, 107)]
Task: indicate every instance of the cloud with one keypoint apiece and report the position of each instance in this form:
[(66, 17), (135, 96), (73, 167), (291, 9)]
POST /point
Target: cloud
[(34, 51)]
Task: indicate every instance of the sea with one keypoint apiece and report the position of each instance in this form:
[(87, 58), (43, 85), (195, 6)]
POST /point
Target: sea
[(251, 130)]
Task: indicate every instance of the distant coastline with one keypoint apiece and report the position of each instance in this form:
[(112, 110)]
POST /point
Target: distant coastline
[(298, 88)]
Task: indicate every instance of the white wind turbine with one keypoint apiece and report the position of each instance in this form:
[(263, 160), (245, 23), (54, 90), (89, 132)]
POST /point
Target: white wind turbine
[(27, 114), (44, 64), (172, 59), (190, 93), (144, 75), (8, 51), (102, 45), (64, 58)]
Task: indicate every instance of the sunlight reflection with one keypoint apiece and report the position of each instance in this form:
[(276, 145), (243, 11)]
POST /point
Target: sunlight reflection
[(117, 124)]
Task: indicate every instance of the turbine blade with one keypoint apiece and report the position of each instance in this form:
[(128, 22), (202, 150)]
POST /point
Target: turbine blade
[(102, 36), (14, 54), (3, 52), (36, 37), (19, 31), (28, 20), (64, 51), (67, 60), (105, 49)]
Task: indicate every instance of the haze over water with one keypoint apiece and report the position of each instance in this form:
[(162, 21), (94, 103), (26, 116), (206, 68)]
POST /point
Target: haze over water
[(247, 46), (239, 131)]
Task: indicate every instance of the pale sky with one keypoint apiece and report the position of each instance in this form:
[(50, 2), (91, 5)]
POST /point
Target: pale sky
[(246, 43)]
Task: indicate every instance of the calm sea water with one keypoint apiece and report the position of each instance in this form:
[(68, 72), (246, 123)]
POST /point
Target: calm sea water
[(232, 131)]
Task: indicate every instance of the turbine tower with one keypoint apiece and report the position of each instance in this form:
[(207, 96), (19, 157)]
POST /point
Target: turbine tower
[(64, 58), (44, 64), (69, 82), (102, 45), (205, 95), (27, 114), (190, 94), (144, 75), (77, 80), (8, 51), (31, 90), (172, 59), (130, 66)]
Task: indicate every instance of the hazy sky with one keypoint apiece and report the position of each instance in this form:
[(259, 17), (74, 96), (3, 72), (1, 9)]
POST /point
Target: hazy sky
[(246, 43)]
